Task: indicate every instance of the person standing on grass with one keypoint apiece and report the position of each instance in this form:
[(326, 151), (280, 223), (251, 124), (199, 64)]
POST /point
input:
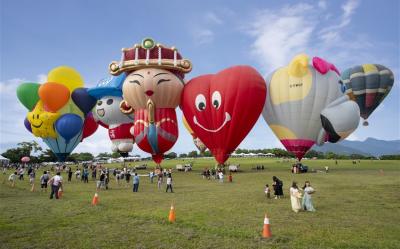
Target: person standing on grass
[(21, 174), (101, 181), (267, 191), (295, 197), (32, 177), (128, 177), (56, 184), (230, 177), (135, 183), (221, 177), (278, 187), (307, 202), (169, 183), (12, 178), (159, 180), (69, 174), (43, 181)]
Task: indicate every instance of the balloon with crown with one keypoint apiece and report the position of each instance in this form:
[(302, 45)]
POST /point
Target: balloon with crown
[(152, 90)]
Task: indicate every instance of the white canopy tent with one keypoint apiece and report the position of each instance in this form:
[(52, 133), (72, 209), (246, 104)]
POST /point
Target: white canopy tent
[(4, 161)]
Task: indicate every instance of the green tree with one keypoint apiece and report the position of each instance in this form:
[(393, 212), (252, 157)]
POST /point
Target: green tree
[(171, 155), (47, 156), (183, 155), (192, 153), (115, 155), (104, 154)]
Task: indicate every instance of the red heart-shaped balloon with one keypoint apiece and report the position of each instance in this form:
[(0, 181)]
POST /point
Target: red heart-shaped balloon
[(222, 108)]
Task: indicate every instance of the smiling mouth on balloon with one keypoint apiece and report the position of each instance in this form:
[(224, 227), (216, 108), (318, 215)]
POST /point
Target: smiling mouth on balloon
[(100, 112), (37, 126), (227, 119)]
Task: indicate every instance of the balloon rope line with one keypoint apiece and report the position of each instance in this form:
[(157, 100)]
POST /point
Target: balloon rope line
[(58, 147), (76, 139)]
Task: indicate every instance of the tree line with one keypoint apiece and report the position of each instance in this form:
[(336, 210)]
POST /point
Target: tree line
[(46, 155)]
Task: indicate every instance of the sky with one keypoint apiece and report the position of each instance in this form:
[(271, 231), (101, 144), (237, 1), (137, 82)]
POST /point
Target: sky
[(37, 36)]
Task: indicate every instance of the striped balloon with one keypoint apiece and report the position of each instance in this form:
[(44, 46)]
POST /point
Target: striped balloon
[(368, 85)]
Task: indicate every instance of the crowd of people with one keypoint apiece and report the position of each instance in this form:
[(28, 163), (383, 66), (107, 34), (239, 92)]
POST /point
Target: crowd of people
[(300, 198)]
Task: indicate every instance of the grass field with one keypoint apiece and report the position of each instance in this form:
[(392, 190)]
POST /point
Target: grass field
[(357, 207)]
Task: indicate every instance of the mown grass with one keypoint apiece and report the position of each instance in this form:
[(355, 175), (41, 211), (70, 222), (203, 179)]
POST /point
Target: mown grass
[(357, 207)]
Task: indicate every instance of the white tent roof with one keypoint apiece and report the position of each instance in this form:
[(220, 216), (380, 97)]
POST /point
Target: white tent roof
[(3, 158)]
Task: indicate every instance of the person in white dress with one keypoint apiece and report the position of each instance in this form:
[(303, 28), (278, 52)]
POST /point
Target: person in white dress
[(295, 197)]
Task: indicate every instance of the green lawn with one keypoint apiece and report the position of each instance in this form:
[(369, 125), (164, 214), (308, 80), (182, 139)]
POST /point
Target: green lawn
[(357, 207)]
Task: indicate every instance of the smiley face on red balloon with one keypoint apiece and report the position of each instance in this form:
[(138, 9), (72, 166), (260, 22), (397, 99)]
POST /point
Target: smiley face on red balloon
[(222, 108)]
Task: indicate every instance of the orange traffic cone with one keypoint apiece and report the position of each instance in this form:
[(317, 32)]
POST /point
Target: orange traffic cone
[(95, 199), (60, 193), (266, 230), (33, 187), (171, 217)]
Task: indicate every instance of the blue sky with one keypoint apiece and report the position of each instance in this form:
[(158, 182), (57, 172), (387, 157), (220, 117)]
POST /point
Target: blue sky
[(87, 35)]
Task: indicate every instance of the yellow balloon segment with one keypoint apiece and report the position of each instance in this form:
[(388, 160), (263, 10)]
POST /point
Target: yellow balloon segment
[(42, 122), (66, 76)]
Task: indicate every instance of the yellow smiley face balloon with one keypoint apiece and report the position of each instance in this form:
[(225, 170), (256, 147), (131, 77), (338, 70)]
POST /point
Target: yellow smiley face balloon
[(42, 121)]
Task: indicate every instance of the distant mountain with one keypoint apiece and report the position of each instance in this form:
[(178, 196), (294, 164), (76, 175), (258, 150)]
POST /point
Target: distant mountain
[(368, 147)]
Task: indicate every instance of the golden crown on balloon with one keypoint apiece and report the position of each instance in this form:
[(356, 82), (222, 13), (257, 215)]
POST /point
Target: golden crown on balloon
[(151, 54)]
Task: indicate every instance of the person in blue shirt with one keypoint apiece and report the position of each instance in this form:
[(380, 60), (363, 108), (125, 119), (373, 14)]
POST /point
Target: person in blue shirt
[(135, 183)]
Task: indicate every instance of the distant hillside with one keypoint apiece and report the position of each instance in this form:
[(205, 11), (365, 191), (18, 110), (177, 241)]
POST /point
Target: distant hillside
[(370, 146)]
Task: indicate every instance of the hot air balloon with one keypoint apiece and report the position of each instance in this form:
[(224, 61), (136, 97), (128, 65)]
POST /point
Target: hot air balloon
[(222, 108), (59, 110), (305, 105), (108, 93), (367, 85), (152, 90), (196, 141)]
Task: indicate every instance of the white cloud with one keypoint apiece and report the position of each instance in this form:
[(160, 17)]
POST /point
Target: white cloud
[(280, 34), (203, 36), (322, 4), (212, 18), (203, 28)]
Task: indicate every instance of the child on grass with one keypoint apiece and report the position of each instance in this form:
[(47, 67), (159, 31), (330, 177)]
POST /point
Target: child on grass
[(267, 191)]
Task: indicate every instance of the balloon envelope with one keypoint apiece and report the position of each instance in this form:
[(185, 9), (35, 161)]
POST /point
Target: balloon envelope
[(69, 125), (83, 100), (368, 85), (66, 76), (89, 126), (54, 96), (222, 108), (27, 94), (297, 94), (62, 147), (28, 125)]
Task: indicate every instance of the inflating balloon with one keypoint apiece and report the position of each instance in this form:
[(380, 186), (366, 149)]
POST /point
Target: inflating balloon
[(27, 125), (305, 105), (196, 141), (83, 100), (42, 121), (54, 116), (27, 94), (89, 126), (108, 114), (222, 108), (66, 76), (54, 96), (69, 125), (367, 85), (152, 89)]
